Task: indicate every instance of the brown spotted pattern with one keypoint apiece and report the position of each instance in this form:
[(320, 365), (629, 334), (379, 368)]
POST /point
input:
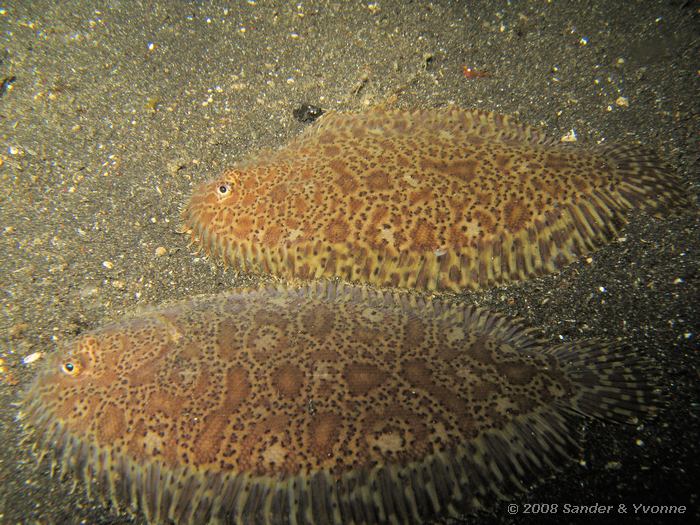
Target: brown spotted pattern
[(431, 199), (323, 404)]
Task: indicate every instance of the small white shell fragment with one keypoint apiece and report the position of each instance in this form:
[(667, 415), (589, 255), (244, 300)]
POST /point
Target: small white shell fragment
[(32, 357)]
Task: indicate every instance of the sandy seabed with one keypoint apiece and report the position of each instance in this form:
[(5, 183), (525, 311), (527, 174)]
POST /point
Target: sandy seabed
[(110, 113)]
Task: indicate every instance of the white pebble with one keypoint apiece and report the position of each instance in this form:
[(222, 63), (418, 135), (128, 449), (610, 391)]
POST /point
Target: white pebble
[(32, 357)]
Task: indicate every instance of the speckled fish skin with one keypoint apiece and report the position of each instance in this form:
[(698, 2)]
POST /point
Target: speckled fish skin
[(324, 404), (433, 199)]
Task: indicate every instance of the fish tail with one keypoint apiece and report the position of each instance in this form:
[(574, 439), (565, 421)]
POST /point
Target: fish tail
[(647, 182), (613, 382)]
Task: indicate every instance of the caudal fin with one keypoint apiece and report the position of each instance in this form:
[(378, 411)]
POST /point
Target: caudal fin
[(615, 382), (646, 182)]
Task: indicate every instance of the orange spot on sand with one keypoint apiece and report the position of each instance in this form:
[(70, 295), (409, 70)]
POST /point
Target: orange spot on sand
[(470, 72)]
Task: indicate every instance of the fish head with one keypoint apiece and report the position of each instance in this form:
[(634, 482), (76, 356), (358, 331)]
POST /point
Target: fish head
[(74, 380), (79, 361), (211, 195), (208, 213)]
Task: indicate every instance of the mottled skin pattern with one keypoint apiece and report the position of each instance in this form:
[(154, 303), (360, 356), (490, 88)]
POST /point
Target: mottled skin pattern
[(431, 199), (323, 404)]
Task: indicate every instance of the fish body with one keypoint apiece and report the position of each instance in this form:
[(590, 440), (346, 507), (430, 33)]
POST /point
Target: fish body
[(430, 199), (321, 404)]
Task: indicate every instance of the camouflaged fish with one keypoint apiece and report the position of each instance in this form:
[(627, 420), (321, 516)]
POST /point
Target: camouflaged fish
[(433, 199), (325, 404)]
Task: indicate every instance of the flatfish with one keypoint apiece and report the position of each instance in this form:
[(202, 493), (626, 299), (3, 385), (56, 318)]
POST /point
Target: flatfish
[(430, 199), (322, 404)]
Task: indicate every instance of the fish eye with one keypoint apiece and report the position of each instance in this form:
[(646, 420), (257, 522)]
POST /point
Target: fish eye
[(223, 189), (71, 368)]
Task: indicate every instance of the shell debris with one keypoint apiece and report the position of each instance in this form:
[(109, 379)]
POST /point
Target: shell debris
[(31, 358)]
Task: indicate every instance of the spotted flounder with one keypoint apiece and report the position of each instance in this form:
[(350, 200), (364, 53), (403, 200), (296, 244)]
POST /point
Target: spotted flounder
[(433, 199), (323, 404)]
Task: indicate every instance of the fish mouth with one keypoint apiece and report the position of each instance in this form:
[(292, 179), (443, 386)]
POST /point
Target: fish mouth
[(193, 224), (203, 236), (188, 217)]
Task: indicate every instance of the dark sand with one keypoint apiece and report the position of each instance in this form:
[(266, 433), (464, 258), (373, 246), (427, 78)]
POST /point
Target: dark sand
[(102, 140)]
